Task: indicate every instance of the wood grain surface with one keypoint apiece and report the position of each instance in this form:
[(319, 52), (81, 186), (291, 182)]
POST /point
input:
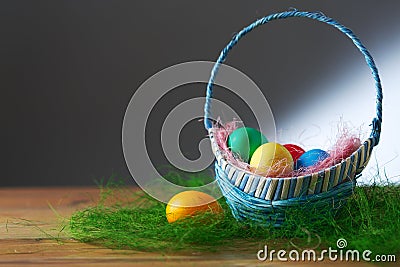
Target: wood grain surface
[(31, 220)]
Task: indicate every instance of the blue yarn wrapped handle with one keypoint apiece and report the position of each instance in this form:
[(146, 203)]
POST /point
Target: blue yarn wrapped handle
[(377, 121)]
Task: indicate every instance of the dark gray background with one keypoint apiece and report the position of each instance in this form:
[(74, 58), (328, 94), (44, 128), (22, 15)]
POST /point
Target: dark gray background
[(69, 69)]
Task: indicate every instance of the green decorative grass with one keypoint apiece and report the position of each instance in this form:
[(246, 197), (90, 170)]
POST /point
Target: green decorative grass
[(370, 219)]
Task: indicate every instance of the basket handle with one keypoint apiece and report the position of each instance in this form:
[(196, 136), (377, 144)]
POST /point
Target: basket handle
[(376, 122)]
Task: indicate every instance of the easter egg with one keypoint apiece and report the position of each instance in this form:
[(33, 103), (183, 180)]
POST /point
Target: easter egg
[(190, 203), (244, 141), (294, 150), (311, 158), (272, 159)]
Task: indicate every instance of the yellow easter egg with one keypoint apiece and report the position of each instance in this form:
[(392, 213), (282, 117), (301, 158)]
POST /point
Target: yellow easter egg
[(190, 203), (271, 159)]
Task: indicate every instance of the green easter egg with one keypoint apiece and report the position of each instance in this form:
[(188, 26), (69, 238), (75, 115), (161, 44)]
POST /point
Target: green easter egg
[(244, 141)]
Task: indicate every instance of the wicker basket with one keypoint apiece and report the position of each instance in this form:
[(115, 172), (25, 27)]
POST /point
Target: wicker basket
[(264, 200)]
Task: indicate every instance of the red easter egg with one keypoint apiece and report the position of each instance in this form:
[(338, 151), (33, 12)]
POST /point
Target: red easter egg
[(294, 150)]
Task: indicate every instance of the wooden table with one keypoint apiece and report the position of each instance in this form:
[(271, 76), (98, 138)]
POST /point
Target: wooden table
[(31, 220)]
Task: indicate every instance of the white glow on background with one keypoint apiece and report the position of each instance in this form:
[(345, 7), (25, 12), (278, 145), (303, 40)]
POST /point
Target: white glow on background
[(315, 123)]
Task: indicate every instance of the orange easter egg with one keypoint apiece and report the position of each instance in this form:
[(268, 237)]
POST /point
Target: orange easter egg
[(190, 203)]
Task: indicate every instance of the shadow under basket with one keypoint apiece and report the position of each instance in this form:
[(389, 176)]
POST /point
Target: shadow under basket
[(265, 200)]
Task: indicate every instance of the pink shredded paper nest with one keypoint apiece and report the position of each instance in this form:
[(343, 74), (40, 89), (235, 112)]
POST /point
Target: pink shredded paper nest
[(346, 143)]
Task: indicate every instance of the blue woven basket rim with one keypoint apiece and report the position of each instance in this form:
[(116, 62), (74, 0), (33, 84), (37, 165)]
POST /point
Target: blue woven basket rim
[(371, 139), (282, 188)]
